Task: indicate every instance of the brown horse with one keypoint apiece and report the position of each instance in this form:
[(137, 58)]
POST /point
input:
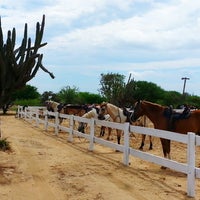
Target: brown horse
[(165, 118), (115, 113), (144, 121), (78, 110)]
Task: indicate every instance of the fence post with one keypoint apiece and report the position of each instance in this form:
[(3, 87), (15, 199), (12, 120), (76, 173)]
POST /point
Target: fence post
[(56, 122), (71, 125), (126, 144), (37, 118), (46, 120), (25, 113), (91, 146), (18, 111), (191, 165)]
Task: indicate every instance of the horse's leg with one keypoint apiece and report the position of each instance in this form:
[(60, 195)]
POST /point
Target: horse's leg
[(151, 144), (142, 143), (102, 132), (60, 120), (166, 149), (118, 136), (109, 133)]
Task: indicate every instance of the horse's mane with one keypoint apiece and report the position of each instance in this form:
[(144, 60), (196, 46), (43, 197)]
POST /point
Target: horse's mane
[(153, 106), (75, 106), (50, 101), (112, 105)]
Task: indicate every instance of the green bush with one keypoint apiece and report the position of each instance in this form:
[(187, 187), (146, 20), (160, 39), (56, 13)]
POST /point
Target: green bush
[(29, 102), (4, 144)]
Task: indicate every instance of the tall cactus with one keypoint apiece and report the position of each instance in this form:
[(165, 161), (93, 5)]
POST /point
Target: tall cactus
[(19, 65)]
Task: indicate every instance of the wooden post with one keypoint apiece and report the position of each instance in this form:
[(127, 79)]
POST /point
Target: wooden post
[(191, 165), (56, 122), (37, 118), (46, 120), (126, 144), (91, 146), (71, 125)]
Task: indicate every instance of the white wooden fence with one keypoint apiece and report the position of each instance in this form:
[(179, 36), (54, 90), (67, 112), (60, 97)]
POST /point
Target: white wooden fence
[(34, 113)]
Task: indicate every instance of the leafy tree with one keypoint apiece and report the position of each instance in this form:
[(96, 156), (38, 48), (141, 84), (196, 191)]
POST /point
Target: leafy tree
[(112, 85), (148, 91), (173, 98), (27, 92), (89, 98), (47, 95), (68, 95)]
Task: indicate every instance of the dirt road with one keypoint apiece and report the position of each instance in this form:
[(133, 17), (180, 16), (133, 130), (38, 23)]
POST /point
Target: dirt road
[(44, 166)]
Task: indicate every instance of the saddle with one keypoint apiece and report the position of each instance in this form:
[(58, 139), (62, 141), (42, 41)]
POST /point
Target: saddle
[(129, 114), (174, 116)]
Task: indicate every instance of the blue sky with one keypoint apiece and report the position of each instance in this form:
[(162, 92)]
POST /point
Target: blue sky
[(155, 40)]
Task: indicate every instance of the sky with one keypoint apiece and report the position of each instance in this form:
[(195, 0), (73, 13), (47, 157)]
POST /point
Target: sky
[(153, 40)]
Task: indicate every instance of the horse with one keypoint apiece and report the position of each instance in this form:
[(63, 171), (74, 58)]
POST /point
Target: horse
[(94, 114), (164, 118), (54, 106), (78, 110), (115, 113), (144, 121)]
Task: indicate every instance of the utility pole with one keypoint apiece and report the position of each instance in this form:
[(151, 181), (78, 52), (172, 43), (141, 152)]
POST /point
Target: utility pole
[(185, 79)]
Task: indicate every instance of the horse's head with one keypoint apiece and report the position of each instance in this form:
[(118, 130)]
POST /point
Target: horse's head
[(60, 108), (137, 110), (102, 111), (49, 105)]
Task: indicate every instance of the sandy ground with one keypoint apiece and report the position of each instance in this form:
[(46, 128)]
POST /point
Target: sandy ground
[(44, 166)]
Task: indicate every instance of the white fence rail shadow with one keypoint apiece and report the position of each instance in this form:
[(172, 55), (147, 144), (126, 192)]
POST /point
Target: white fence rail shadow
[(191, 140)]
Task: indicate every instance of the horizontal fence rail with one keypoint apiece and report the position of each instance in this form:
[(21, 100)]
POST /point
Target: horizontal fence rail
[(41, 116)]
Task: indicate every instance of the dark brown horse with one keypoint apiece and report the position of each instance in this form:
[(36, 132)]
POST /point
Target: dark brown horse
[(165, 118)]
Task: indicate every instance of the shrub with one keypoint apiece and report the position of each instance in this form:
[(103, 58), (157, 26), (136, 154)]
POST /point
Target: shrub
[(4, 144)]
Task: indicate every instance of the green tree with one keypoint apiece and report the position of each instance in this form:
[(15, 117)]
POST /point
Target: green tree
[(47, 95), (148, 91), (27, 92), (68, 95), (89, 98), (112, 86), (173, 98)]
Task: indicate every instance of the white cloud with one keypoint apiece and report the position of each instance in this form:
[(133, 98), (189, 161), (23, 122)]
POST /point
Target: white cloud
[(142, 36)]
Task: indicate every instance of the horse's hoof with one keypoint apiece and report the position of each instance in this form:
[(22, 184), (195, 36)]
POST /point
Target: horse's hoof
[(163, 167)]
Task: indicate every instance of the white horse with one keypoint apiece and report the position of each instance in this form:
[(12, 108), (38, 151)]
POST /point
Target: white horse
[(52, 106), (94, 114), (116, 113)]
